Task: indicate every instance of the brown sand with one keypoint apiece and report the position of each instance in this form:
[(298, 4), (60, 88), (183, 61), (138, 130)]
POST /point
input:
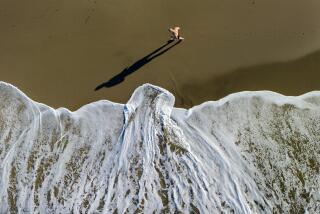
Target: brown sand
[(58, 51), (293, 77)]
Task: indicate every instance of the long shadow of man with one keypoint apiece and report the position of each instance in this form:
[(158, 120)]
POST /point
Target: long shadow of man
[(137, 65)]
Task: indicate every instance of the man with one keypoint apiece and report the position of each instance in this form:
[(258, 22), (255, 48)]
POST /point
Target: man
[(175, 33)]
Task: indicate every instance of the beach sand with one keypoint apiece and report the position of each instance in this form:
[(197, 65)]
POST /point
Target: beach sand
[(58, 51)]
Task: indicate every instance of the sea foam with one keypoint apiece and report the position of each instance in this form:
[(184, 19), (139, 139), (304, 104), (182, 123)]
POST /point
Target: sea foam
[(250, 152)]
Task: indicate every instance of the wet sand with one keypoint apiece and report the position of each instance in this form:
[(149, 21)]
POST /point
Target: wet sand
[(294, 77), (59, 51)]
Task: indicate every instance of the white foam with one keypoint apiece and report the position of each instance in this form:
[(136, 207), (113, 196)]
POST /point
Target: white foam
[(250, 152)]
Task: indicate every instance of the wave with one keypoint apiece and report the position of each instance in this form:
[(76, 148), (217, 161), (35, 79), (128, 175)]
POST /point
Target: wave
[(250, 152)]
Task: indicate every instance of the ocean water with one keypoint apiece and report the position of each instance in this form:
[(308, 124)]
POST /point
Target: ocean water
[(250, 152)]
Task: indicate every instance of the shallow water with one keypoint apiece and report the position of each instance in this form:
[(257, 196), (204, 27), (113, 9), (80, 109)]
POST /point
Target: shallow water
[(58, 52), (251, 152)]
